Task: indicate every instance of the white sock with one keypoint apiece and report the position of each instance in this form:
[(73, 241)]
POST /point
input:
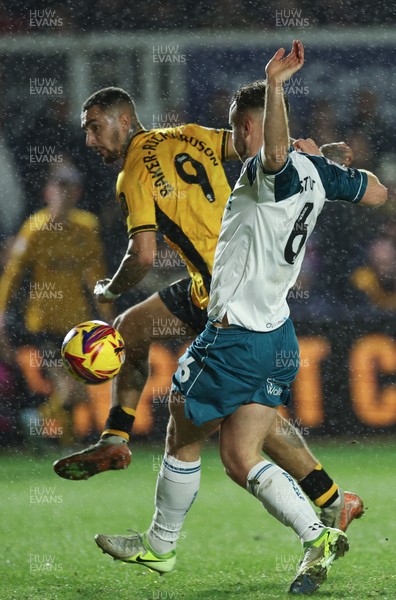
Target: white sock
[(282, 498), (337, 502), (177, 488)]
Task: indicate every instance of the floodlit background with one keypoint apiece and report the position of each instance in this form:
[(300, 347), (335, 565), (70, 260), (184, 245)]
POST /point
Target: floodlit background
[(181, 62)]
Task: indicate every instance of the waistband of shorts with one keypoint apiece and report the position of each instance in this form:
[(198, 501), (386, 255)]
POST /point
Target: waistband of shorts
[(233, 329)]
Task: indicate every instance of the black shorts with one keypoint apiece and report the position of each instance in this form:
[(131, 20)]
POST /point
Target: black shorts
[(177, 299)]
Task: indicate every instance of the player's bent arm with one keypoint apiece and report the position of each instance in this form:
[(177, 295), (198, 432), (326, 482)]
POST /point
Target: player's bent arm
[(306, 145), (376, 193), (96, 271), (275, 127), (137, 262), (275, 122), (338, 152)]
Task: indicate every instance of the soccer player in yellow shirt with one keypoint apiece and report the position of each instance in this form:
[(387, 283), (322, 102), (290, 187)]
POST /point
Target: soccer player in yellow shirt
[(59, 249), (172, 180)]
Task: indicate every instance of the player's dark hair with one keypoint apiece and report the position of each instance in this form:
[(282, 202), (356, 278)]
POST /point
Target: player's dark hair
[(109, 97), (251, 96)]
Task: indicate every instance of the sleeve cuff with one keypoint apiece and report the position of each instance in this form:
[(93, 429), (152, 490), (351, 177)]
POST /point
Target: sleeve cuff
[(362, 189), (141, 228)]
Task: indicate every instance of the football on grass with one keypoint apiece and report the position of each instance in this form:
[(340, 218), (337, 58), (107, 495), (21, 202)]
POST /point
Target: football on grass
[(93, 352)]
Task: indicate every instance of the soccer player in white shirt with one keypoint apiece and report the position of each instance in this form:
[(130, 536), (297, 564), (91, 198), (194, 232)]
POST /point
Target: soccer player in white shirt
[(229, 376)]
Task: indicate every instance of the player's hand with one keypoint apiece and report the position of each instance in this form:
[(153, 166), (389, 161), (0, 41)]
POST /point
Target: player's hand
[(281, 67), (308, 146), (338, 152), (102, 293)]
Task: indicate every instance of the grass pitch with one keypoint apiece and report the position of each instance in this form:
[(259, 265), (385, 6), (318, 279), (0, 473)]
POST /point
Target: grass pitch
[(230, 547)]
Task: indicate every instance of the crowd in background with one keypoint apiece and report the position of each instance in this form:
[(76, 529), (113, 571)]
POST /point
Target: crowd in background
[(341, 243), (349, 271), (121, 15)]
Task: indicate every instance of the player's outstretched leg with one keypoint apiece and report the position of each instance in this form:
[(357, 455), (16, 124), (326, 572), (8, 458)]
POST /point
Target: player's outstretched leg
[(287, 448), (109, 454), (318, 558), (177, 487), (135, 549), (279, 495), (137, 327), (342, 514)]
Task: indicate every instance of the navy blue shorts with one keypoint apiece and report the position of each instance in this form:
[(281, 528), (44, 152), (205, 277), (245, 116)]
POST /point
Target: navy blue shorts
[(225, 368), (177, 299)]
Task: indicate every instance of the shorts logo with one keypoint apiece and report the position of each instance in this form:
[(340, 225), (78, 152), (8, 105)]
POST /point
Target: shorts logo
[(273, 389)]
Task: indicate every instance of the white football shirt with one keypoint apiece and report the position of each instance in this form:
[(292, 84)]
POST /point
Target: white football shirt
[(266, 223)]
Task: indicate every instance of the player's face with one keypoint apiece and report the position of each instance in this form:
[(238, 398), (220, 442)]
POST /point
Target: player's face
[(239, 137), (105, 133), (61, 196)]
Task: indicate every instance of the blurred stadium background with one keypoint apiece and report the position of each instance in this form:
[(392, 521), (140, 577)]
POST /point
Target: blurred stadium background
[(181, 61)]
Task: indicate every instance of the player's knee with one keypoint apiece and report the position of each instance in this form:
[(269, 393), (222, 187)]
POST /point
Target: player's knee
[(121, 323), (131, 330), (175, 440), (117, 322), (180, 449), (170, 442)]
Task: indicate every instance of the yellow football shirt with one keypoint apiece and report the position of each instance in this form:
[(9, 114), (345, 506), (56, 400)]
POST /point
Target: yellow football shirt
[(62, 260), (173, 180)]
